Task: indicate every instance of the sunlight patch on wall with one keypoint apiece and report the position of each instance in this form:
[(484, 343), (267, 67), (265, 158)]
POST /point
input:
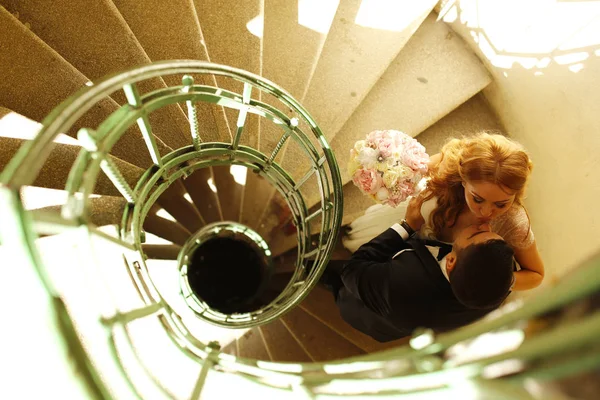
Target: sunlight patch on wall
[(571, 58), (516, 32), (389, 15), (450, 14), (576, 67), (188, 198), (317, 14)]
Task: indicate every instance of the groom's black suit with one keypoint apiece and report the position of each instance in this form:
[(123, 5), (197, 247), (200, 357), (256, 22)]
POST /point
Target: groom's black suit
[(387, 297)]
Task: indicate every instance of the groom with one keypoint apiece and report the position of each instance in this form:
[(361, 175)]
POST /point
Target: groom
[(396, 283)]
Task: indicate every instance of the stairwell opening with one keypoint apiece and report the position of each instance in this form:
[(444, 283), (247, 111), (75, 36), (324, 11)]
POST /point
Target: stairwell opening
[(228, 274)]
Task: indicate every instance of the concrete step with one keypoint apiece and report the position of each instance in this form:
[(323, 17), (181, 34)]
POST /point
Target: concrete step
[(175, 34), (321, 305), (229, 42), (231, 348), (282, 346), (164, 228), (16, 129), (104, 210), (318, 340), (252, 345), (161, 251), (364, 38), (229, 192), (174, 201), (204, 198), (95, 39), (36, 79)]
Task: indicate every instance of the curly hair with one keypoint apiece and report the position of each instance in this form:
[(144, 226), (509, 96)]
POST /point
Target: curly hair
[(485, 157)]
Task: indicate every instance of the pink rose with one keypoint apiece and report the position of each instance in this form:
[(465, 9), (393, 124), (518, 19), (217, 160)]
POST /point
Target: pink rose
[(401, 139), (376, 136), (414, 156), (404, 188), (367, 180), (386, 147)]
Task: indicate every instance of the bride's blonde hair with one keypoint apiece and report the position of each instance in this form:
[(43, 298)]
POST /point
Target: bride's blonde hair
[(485, 157)]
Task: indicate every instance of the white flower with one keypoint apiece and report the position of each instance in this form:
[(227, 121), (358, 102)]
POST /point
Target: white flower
[(382, 194), (367, 157)]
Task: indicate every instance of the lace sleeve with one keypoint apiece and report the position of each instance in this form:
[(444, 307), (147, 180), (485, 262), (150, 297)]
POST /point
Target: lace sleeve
[(515, 228)]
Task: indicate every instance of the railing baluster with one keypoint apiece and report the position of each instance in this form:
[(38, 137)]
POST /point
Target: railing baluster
[(188, 82), (278, 147), (321, 161), (242, 116), (305, 178), (94, 230), (133, 97), (312, 253), (313, 215), (114, 174), (206, 365), (126, 317), (88, 141)]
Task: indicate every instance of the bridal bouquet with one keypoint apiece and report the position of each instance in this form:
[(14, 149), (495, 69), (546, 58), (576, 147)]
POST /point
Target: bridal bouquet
[(388, 166)]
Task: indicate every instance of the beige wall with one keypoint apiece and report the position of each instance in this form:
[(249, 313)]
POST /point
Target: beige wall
[(546, 91)]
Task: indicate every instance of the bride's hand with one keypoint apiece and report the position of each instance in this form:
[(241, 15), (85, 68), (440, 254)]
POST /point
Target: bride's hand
[(413, 212)]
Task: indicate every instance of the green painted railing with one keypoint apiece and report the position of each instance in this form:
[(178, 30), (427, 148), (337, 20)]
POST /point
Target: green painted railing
[(100, 337)]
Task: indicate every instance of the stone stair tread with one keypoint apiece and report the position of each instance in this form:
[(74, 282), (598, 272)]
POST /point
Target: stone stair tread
[(161, 251), (231, 348), (180, 208), (282, 346), (229, 42), (229, 192), (321, 305), (95, 39), (354, 57), (319, 341), (55, 171), (164, 228), (205, 200), (252, 345), (175, 34)]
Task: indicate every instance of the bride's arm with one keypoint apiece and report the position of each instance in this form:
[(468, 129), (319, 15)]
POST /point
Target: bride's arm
[(532, 272)]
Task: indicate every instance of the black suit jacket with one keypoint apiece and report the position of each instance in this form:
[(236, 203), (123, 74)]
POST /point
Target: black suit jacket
[(388, 298)]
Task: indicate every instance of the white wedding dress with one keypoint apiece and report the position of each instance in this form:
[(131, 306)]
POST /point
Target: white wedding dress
[(378, 218)]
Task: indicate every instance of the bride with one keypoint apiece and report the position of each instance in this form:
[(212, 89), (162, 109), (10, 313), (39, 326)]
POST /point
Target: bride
[(480, 179)]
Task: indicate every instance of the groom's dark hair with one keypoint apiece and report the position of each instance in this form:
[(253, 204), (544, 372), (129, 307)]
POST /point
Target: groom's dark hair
[(483, 274)]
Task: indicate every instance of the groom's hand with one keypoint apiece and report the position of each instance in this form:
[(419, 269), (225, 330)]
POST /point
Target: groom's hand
[(413, 212)]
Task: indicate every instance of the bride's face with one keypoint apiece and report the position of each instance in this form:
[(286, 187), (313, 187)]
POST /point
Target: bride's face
[(488, 200)]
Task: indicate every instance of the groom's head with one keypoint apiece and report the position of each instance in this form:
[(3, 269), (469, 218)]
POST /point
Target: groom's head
[(480, 267)]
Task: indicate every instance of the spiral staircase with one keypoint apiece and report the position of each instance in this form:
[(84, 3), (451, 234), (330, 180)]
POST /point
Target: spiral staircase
[(139, 162)]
